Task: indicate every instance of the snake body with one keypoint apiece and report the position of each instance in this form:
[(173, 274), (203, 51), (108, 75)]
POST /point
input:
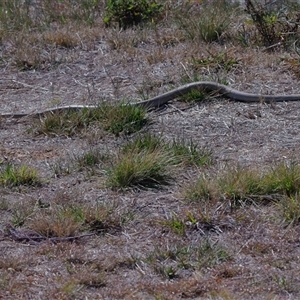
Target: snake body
[(162, 99)]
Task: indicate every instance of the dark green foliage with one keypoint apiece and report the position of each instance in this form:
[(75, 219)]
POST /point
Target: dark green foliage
[(128, 13)]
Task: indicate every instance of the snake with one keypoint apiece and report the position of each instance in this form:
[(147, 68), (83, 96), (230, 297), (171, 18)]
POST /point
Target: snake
[(162, 99)]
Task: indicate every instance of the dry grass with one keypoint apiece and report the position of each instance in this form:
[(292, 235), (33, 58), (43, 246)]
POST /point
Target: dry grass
[(197, 200)]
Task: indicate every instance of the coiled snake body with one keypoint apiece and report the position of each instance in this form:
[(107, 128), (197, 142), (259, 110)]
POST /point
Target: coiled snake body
[(162, 99)]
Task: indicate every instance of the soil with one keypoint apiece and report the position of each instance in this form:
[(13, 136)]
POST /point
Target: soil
[(135, 65)]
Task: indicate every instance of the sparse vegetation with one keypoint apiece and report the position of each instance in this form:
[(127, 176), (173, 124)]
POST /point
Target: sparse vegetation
[(221, 61), (187, 152), (209, 24), (20, 15), (169, 261), (195, 200), (91, 158)]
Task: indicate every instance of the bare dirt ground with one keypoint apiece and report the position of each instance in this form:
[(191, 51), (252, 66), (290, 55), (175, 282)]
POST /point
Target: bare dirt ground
[(139, 257)]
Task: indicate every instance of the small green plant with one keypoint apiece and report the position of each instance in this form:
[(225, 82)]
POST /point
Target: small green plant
[(91, 158), (166, 261), (11, 175), (128, 13), (175, 224), (168, 272)]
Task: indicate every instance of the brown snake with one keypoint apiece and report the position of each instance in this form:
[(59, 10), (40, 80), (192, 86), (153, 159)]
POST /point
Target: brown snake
[(162, 99)]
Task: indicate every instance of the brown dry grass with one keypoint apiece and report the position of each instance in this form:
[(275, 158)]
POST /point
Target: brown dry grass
[(146, 243)]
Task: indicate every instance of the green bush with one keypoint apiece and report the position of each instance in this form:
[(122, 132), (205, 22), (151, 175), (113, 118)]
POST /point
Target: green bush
[(128, 13), (276, 25)]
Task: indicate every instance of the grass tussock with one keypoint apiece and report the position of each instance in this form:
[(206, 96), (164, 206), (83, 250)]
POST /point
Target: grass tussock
[(206, 22), (183, 151), (11, 175), (91, 158), (64, 216), (21, 212), (168, 261), (57, 221), (217, 62), (122, 118), (62, 38), (148, 161), (290, 210), (142, 169), (117, 119), (240, 185)]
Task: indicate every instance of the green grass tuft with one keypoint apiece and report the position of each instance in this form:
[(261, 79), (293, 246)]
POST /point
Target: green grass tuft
[(121, 118), (146, 161), (117, 119), (239, 185), (14, 176), (290, 210), (141, 169)]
